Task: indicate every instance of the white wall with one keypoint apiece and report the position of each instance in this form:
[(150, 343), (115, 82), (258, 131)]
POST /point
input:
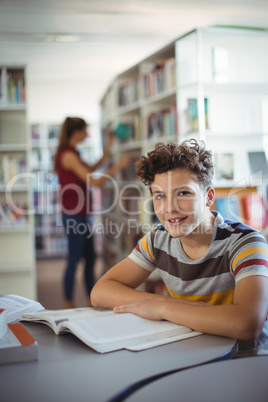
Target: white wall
[(54, 100)]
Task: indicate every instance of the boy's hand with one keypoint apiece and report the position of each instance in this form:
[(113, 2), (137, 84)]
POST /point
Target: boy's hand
[(153, 309), (150, 309)]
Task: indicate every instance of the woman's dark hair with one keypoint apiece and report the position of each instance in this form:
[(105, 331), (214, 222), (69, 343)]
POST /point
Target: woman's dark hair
[(69, 126), (190, 155)]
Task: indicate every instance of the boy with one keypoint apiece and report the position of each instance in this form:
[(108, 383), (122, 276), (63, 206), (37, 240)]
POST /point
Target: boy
[(215, 270)]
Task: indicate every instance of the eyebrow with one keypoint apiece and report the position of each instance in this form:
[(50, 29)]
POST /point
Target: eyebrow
[(157, 192), (174, 190)]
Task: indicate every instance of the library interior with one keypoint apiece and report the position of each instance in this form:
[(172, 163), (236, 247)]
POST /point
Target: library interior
[(137, 73)]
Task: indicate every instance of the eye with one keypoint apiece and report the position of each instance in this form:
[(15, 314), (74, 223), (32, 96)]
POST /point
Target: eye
[(183, 193), (159, 196)]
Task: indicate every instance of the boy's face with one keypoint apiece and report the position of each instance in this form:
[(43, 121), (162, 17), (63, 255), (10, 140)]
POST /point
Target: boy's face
[(180, 203)]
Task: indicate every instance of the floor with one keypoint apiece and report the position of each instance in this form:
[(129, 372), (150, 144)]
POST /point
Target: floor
[(49, 283)]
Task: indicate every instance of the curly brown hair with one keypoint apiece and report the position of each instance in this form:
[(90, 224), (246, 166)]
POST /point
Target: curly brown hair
[(190, 155)]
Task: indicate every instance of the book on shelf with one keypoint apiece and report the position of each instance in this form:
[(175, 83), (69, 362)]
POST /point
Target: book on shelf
[(48, 223), (156, 77), (16, 343), (12, 86), (36, 132), (12, 167), (255, 211), (192, 114), (53, 131), (162, 123), (128, 92), (16, 305), (13, 216), (105, 331), (170, 73)]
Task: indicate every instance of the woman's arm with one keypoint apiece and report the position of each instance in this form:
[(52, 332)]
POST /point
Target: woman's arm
[(106, 152), (243, 320), (71, 161)]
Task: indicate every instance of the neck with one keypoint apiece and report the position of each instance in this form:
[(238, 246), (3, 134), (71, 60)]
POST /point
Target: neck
[(72, 143)]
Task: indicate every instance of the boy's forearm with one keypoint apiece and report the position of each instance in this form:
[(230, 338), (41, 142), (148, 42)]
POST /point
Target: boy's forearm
[(243, 320), (225, 320), (109, 294)]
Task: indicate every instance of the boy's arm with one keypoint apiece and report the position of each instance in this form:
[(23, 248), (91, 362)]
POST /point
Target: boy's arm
[(243, 320), (118, 285)]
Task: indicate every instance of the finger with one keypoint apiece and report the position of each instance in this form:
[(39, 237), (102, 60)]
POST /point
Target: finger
[(120, 309)]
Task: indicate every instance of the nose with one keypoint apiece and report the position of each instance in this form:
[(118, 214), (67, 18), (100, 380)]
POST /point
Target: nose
[(172, 205)]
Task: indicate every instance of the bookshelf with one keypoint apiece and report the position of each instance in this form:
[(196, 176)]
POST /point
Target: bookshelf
[(50, 239), (17, 256), (210, 84)]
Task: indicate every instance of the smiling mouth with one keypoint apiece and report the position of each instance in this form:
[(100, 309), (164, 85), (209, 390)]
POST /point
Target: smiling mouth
[(177, 220)]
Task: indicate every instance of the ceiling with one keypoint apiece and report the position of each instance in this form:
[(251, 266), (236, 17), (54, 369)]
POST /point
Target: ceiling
[(97, 39)]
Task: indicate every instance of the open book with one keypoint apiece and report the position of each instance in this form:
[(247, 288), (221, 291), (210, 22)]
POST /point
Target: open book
[(105, 331)]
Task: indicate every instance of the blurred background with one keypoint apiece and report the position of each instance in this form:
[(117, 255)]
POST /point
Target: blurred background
[(67, 53)]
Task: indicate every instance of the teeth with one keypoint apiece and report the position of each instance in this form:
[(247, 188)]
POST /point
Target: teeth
[(175, 220)]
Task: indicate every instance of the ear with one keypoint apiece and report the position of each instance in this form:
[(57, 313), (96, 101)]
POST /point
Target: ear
[(210, 196)]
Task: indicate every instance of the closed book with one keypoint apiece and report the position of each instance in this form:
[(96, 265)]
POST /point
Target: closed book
[(17, 345)]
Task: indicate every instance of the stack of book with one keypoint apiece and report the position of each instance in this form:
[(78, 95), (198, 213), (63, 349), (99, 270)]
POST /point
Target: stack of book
[(16, 343)]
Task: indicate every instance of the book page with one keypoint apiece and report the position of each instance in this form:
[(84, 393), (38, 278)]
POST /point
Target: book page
[(117, 331), (53, 318), (16, 305), (158, 342)]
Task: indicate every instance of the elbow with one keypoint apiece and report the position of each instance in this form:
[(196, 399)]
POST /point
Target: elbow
[(250, 331), (95, 297)]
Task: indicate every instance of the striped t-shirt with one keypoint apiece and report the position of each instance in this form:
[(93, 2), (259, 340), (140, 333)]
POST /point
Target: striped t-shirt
[(236, 251)]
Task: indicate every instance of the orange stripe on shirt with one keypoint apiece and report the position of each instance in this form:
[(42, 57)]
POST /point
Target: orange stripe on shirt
[(146, 247), (245, 253)]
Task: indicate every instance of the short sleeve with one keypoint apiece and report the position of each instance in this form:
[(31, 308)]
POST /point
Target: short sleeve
[(251, 258), (143, 254)]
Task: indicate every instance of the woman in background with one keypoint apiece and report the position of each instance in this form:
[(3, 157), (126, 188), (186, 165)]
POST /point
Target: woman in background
[(75, 180)]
